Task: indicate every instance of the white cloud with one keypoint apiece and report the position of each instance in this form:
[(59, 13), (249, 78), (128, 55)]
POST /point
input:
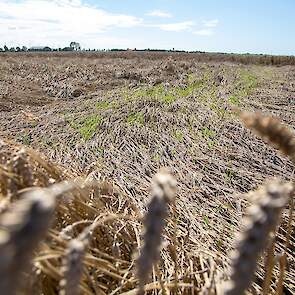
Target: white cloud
[(203, 32), (176, 27), (160, 13), (57, 22), (207, 28), (211, 23)]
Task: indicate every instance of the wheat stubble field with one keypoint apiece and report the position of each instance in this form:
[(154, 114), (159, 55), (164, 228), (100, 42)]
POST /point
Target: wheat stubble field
[(108, 123)]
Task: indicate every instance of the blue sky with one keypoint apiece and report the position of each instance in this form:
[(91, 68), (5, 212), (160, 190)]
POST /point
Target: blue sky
[(254, 26)]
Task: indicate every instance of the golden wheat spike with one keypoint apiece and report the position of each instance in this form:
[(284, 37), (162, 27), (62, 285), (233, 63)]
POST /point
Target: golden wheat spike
[(163, 192), (19, 166), (21, 228), (262, 219), (73, 261), (271, 130)]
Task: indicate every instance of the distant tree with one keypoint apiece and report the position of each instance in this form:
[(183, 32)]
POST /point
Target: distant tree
[(6, 48), (75, 46), (24, 48), (1, 49), (17, 49), (47, 48), (12, 49)]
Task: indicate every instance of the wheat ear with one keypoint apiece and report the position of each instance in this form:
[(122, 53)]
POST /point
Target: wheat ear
[(21, 228), (73, 268), (262, 219), (163, 193), (271, 130), (73, 262)]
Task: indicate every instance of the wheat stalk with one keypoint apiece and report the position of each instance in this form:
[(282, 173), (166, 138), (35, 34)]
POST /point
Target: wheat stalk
[(163, 192), (263, 218)]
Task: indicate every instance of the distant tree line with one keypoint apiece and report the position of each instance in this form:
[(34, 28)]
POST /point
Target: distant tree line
[(13, 49), (74, 46), (202, 56)]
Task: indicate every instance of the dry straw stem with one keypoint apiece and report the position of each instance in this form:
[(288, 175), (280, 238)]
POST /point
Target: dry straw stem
[(163, 193), (271, 130), (208, 287), (21, 228), (262, 219)]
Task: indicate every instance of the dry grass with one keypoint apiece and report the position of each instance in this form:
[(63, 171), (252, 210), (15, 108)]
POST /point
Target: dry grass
[(100, 258), (97, 228), (261, 59), (76, 210)]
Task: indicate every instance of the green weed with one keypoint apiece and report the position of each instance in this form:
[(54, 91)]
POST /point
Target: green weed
[(136, 119), (249, 80), (164, 94), (206, 220), (89, 126), (168, 98), (211, 143), (103, 105), (191, 78), (25, 139), (243, 87), (229, 174), (218, 109), (156, 157), (246, 84), (234, 100), (208, 133), (192, 86), (86, 126), (178, 134)]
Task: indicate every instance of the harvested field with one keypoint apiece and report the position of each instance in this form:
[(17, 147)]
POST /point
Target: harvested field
[(117, 121)]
